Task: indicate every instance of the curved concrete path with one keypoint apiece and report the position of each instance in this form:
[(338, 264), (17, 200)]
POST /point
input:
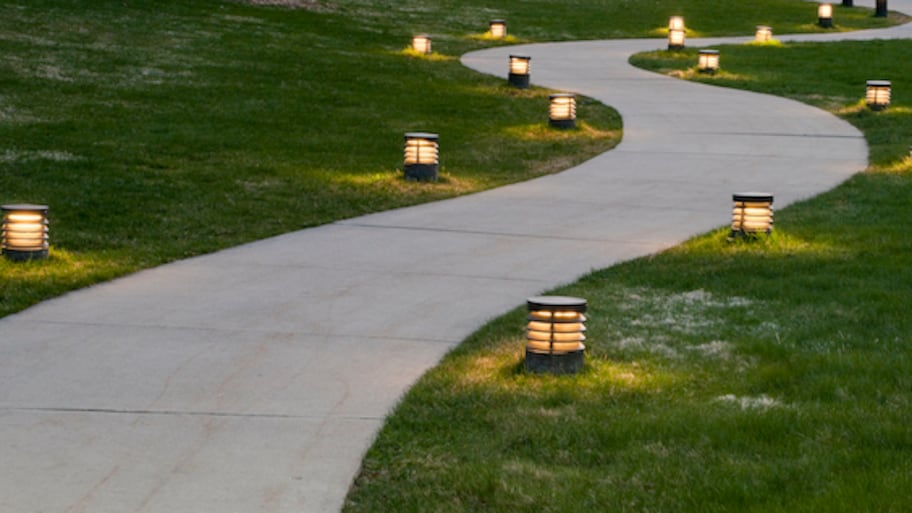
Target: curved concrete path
[(253, 380)]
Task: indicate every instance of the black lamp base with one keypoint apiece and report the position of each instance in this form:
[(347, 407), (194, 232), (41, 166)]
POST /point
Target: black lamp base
[(421, 172), (545, 363), (517, 80), (23, 256)]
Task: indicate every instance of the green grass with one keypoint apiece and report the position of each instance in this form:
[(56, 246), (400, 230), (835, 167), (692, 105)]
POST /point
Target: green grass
[(769, 375), (162, 130)]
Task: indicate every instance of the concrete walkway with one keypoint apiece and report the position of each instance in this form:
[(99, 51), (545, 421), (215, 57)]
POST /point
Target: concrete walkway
[(253, 380)]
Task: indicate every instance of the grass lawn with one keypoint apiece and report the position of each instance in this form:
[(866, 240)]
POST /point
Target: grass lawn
[(772, 375), (162, 130)]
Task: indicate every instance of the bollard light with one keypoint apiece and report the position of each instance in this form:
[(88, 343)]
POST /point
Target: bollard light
[(752, 213), (825, 15), (880, 9), (763, 34), (519, 71), (676, 23), (421, 156), (24, 232), (562, 110), (555, 334), (676, 39), (877, 95), (708, 61), (421, 43), (498, 29)]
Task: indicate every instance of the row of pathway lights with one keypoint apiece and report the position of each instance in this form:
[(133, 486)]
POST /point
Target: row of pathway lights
[(877, 92), (676, 29), (422, 149), (556, 325), (24, 232), (556, 329)]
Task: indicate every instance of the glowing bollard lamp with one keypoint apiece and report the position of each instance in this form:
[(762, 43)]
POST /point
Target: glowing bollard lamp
[(877, 94), (562, 110), (708, 61), (497, 29), (752, 213), (676, 39), (825, 15), (519, 71), (555, 334), (763, 34), (421, 156), (25, 232), (421, 43), (880, 9), (676, 23)]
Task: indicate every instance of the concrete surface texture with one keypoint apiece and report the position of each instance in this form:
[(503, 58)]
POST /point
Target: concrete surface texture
[(253, 379)]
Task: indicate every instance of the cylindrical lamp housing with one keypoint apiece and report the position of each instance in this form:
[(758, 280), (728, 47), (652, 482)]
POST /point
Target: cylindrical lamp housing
[(708, 61), (764, 34), (825, 15), (519, 71), (752, 213), (421, 156), (421, 43), (877, 95), (676, 23), (498, 29), (676, 39), (555, 334), (562, 110), (880, 9), (24, 231)]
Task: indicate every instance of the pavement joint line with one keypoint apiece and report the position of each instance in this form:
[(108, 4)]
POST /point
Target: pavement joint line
[(240, 331), (524, 235), (708, 154), (780, 134), (180, 413)]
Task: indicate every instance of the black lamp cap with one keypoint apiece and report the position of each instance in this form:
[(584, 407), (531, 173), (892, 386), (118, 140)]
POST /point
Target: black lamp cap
[(574, 304), (753, 196)]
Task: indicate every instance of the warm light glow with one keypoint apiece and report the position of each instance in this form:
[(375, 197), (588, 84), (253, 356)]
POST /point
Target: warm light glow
[(676, 39), (562, 110), (825, 15), (421, 149), (498, 29), (555, 334), (421, 43), (877, 96), (708, 61), (752, 213), (676, 23), (764, 34), (520, 65), (24, 231)]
